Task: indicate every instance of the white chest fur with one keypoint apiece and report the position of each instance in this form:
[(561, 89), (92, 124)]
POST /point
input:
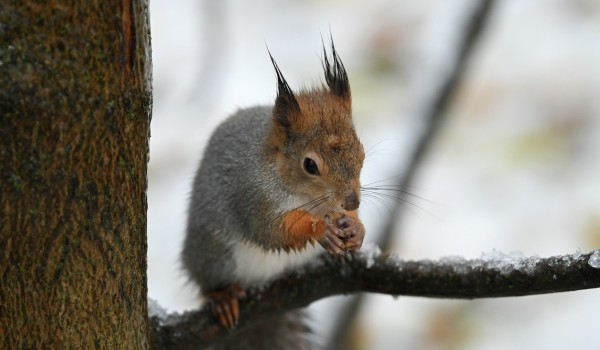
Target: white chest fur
[(256, 265)]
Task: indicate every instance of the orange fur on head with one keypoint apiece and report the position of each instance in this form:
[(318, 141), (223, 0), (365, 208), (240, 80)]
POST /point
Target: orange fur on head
[(317, 125), (330, 106)]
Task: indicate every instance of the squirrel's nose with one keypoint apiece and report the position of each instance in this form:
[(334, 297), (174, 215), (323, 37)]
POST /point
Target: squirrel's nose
[(351, 202)]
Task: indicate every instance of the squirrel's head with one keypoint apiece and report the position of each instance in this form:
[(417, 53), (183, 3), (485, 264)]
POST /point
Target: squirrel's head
[(316, 149)]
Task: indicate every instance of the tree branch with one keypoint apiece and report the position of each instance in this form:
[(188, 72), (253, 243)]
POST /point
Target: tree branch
[(493, 275)]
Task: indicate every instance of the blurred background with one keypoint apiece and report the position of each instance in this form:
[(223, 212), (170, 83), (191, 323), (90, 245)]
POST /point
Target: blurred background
[(515, 168)]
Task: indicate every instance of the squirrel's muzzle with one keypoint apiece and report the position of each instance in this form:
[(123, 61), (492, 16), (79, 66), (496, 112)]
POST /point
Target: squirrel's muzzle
[(351, 202)]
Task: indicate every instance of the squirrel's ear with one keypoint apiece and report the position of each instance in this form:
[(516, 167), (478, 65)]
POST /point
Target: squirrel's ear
[(286, 105), (335, 75)]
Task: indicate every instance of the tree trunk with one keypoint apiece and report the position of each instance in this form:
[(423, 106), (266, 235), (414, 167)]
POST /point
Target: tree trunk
[(75, 106)]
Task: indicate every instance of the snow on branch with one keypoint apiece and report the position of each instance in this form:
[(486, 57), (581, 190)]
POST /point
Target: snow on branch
[(493, 275)]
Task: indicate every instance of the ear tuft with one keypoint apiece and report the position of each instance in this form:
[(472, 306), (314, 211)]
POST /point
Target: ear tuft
[(335, 75), (285, 103)]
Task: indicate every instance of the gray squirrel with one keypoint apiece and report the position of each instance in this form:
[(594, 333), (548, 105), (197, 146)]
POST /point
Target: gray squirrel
[(277, 186)]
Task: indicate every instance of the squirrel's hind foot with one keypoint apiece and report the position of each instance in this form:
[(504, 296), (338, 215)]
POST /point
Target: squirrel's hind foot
[(225, 306)]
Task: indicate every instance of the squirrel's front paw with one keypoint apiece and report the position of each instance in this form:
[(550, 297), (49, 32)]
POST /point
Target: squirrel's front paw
[(342, 234), (332, 237), (354, 232), (224, 304)]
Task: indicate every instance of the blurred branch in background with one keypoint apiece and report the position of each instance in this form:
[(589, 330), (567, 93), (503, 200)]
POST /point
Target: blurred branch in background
[(433, 118), (213, 53), (493, 275)]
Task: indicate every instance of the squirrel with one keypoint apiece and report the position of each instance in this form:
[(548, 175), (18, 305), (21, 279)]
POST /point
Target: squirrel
[(277, 186)]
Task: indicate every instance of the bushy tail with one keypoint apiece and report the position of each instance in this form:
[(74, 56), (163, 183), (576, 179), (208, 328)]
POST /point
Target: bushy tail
[(287, 332)]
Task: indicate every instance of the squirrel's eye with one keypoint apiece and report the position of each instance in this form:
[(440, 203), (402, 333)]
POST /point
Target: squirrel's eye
[(310, 166)]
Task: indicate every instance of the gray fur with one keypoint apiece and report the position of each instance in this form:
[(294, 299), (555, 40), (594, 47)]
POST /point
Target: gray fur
[(282, 332), (233, 181), (236, 181)]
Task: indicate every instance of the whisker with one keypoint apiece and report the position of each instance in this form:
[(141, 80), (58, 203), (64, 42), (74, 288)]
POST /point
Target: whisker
[(318, 204), (312, 205), (386, 179), (371, 151), (397, 190), (380, 193), (372, 198), (380, 183), (406, 204), (401, 190)]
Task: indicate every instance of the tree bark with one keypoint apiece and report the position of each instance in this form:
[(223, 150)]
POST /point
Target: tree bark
[(75, 107)]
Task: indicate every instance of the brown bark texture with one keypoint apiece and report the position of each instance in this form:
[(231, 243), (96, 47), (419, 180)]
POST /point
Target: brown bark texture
[(75, 108)]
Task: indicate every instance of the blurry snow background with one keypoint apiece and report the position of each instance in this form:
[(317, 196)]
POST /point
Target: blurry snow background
[(516, 167)]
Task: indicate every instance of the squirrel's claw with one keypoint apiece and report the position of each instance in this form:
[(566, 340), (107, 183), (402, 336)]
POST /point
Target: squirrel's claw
[(354, 233), (332, 238), (332, 243), (345, 235), (225, 306)]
